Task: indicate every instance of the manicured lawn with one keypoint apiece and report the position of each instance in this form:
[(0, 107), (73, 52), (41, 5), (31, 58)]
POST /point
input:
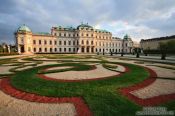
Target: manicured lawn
[(102, 96)]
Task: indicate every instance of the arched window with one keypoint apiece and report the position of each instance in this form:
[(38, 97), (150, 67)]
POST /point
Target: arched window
[(87, 42), (34, 49), (40, 50), (50, 49)]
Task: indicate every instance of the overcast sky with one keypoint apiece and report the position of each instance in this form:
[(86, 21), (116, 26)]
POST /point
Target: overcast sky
[(138, 18)]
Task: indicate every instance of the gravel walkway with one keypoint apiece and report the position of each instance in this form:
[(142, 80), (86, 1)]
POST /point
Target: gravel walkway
[(163, 72), (159, 87), (10, 106), (99, 72), (59, 68), (47, 63), (5, 69), (23, 68)]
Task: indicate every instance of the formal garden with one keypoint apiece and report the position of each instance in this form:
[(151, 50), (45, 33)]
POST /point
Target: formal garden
[(84, 85)]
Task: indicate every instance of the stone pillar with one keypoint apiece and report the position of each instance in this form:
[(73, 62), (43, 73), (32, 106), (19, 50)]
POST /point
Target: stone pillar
[(8, 48), (90, 50), (19, 49), (79, 50), (85, 49)]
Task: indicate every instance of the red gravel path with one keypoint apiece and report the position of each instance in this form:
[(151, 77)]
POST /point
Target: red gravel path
[(81, 80), (81, 108), (149, 101)]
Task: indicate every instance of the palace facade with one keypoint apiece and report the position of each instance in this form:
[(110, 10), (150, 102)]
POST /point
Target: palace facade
[(82, 39)]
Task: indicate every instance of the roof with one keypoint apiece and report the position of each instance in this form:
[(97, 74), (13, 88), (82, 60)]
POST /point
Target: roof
[(24, 28), (126, 37), (42, 33), (84, 25), (101, 30), (65, 28), (160, 38)]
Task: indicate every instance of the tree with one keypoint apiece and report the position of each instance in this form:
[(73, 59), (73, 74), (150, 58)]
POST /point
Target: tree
[(122, 53), (171, 47), (111, 53), (163, 47)]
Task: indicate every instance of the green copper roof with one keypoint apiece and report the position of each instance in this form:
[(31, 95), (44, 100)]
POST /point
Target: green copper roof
[(127, 37), (42, 33), (66, 28), (101, 30), (24, 28), (84, 25)]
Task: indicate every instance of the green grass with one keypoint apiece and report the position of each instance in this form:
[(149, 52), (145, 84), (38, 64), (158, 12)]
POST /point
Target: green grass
[(102, 96)]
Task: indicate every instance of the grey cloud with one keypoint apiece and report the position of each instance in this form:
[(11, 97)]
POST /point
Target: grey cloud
[(41, 15)]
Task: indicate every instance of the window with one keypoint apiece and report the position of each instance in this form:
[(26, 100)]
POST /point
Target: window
[(40, 50), (82, 42), (73, 49), (39, 42), (34, 41), (64, 35), (22, 40), (64, 49), (55, 42), (34, 49), (69, 42), (59, 42), (50, 42), (92, 42), (55, 34), (69, 49), (91, 35), (45, 42), (87, 42), (45, 49), (69, 35), (55, 49), (50, 49), (60, 34), (73, 42), (77, 35), (87, 35), (64, 42), (60, 49), (126, 44)]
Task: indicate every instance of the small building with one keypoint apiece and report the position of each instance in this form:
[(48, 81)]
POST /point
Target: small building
[(153, 44)]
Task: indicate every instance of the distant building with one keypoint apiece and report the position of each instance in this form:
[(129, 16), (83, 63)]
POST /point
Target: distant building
[(83, 39), (153, 44)]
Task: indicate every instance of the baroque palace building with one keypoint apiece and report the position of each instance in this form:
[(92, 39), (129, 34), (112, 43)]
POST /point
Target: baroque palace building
[(83, 39)]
